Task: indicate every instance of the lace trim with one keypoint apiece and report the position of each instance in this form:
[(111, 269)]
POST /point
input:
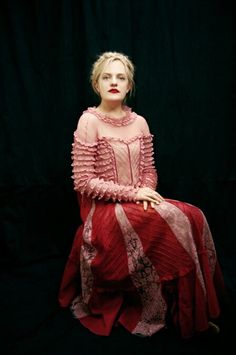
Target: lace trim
[(128, 118), (209, 244), (180, 224), (147, 138), (144, 277), (129, 140), (88, 252)]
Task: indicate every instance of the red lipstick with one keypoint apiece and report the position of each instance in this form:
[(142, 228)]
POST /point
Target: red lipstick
[(114, 91)]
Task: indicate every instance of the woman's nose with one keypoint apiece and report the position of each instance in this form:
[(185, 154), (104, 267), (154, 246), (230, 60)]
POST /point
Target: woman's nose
[(113, 81)]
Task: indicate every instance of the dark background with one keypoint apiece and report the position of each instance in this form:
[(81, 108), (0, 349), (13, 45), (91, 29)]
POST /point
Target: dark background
[(184, 53)]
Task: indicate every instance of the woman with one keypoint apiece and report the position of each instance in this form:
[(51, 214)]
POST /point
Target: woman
[(137, 256)]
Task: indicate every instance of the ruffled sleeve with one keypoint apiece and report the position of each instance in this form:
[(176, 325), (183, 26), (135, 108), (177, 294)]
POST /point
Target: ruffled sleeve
[(86, 180), (149, 177)]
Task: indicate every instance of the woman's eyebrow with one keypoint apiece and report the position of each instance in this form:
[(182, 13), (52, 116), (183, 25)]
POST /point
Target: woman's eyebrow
[(111, 73)]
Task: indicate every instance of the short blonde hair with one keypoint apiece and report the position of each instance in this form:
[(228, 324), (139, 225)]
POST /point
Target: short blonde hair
[(107, 57)]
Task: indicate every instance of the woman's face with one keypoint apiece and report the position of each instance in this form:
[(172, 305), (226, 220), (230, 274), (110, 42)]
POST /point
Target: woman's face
[(113, 84)]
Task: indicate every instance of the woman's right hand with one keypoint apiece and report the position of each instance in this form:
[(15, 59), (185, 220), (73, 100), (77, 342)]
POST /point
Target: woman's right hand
[(148, 195)]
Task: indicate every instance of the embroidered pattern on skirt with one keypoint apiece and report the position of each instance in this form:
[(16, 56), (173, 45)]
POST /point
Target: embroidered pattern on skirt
[(145, 279), (181, 227), (209, 245), (87, 254)]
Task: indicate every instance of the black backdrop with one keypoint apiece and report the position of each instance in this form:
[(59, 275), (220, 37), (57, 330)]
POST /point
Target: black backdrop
[(184, 53)]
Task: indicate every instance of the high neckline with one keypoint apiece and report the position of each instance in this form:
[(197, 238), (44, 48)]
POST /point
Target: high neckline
[(126, 119)]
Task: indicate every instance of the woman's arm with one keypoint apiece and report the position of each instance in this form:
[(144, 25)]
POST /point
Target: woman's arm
[(83, 162), (149, 177)]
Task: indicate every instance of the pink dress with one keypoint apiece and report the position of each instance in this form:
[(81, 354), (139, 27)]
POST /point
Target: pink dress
[(129, 266)]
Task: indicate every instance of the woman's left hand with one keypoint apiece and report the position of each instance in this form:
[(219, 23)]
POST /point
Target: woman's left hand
[(146, 203), (152, 204)]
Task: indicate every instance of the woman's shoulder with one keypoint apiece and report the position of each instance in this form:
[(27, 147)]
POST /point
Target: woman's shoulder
[(141, 121), (87, 117), (138, 117), (86, 130), (89, 113)]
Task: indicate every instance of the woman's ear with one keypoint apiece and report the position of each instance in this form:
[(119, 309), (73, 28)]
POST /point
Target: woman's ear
[(128, 89), (97, 88)]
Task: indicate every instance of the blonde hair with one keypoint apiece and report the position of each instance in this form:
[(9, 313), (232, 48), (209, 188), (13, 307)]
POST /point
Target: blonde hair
[(107, 57)]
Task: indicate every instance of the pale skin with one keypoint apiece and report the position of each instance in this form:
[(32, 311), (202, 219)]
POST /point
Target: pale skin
[(114, 77)]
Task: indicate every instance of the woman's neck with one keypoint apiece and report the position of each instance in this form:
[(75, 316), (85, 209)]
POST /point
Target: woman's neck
[(111, 108)]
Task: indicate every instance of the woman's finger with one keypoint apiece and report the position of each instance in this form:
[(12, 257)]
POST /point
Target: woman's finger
[(154, 194), (153, 199), (145, 205), (159, 196)]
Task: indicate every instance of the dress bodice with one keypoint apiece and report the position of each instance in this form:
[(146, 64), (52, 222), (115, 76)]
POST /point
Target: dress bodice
[(107, 163), (121, 160)]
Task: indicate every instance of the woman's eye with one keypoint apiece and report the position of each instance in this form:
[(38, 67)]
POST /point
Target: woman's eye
[(122, 78)]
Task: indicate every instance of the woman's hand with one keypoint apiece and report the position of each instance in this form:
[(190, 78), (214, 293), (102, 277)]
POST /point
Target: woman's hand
[(148, 195)]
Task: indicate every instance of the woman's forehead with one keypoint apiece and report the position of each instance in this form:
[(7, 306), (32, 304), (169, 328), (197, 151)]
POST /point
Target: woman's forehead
[(114, 65)]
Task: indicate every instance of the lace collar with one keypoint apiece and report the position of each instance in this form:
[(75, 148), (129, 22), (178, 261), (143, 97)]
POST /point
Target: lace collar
[(122, 121)]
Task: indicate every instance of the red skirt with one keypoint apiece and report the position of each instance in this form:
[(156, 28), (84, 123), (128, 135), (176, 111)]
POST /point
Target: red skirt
[(133, 267)]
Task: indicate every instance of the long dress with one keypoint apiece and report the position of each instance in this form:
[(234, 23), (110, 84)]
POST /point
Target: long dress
[(129, 266)]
